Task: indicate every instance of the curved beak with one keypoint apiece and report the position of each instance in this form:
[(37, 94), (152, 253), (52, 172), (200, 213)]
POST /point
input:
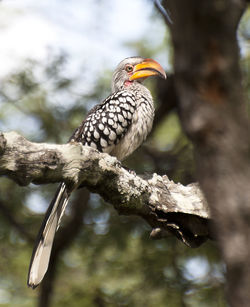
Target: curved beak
[(147, 68)]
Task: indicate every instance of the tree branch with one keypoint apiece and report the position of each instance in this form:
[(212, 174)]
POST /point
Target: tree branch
[(166, 206), (164, 12)]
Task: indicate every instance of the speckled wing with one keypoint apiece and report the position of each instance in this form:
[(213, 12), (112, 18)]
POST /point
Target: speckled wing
[(107, 123), (104, 127)]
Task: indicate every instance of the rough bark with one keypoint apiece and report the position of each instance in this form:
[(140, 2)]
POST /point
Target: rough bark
[(166, 206), (213, 112)]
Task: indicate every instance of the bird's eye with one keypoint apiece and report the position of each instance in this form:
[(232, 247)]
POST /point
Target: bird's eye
[(129, 68)]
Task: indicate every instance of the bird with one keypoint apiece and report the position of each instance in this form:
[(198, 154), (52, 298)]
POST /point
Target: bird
[(117, 126)]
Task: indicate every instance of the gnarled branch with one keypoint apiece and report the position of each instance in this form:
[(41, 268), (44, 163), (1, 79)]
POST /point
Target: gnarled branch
[(166, 206)]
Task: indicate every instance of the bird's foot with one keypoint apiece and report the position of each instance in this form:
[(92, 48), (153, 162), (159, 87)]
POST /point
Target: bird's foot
[(131, 171)]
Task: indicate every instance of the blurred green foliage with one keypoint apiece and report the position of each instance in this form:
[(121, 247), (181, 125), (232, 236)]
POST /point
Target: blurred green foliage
[(112, 261)]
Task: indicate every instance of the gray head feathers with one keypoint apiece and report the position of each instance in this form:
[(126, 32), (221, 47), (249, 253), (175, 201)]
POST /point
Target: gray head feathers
[(120, 75)]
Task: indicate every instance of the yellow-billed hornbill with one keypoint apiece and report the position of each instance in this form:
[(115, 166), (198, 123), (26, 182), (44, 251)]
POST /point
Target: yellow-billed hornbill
[(117, 126)]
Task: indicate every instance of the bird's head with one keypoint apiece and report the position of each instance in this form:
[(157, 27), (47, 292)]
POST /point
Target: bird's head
[(135, 69)]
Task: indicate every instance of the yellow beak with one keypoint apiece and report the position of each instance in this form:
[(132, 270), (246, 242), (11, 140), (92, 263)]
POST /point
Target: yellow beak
[(147, 68)]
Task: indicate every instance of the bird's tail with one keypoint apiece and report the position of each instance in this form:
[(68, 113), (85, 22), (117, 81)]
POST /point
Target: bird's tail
[(44, 242)]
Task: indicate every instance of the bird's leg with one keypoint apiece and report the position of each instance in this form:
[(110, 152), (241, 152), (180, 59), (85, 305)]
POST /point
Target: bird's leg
[(131, 171)]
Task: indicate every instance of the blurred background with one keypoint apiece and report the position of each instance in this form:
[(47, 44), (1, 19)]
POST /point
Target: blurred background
[(57, 59)]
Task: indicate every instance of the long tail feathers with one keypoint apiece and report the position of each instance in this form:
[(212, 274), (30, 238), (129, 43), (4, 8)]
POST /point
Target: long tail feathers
[(42, 249)]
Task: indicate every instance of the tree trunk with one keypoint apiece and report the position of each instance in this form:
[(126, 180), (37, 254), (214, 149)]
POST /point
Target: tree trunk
[(213, 113)]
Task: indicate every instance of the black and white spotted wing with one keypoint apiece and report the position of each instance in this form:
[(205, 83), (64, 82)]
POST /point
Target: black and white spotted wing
[(107, 123)]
